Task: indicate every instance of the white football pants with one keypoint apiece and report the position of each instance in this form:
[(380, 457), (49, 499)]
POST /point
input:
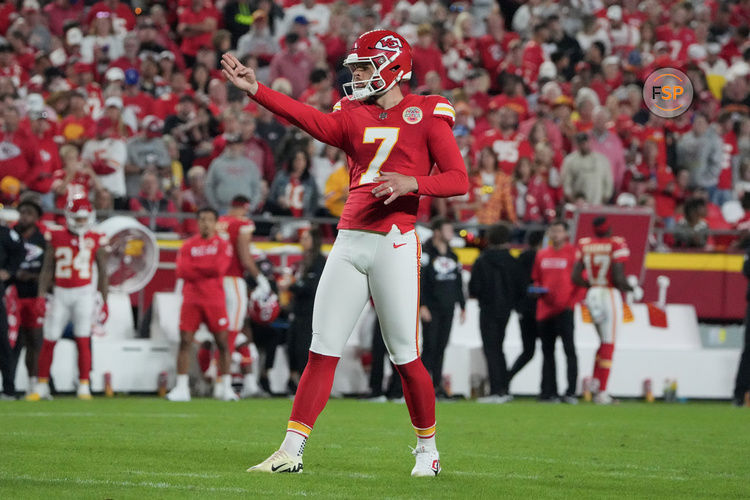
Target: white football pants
[(66, 305), (363, 264), (235, 293), (605, 306)]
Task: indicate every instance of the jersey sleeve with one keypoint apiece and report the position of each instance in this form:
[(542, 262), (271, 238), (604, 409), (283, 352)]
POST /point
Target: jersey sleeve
[(443, 110), (452, 179), (325, 127), (620, 250)]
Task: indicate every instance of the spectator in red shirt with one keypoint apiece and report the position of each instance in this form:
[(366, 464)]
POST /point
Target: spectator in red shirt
[(294, 63), (131, 45), (123, 18), (20, 158), (40, 180), (426, 56), (151, 201), (494, 46), (553, 268), (196, 25), (256, 148), (533, 54), (193, 197)]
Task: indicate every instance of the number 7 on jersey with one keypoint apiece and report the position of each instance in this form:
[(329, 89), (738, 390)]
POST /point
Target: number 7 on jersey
[(389, 136)]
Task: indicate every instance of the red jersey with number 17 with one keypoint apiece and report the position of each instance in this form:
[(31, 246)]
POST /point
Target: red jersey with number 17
[(74, 255), (229, 227), (408, 138), (598, 255)]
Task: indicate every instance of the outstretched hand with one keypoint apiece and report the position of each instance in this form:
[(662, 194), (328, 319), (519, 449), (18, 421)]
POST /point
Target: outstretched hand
[(240, 75), (395, 185)]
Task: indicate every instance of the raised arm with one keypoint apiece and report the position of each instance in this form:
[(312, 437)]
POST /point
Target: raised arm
[(325, 127)]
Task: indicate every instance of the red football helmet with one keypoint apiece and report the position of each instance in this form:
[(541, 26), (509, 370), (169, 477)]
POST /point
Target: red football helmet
[(264, 310), (79, 215), (390, 55)]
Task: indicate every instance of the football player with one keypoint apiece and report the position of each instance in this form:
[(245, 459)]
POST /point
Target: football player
[(31, 305), (600, 267), (202, 263), (238, 229), (69, 264), (392, 142)]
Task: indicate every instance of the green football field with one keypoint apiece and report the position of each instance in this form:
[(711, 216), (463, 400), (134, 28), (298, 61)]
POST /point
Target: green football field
[(149, 448)]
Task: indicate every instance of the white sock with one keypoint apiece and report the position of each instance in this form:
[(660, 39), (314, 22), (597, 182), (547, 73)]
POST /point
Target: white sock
[(32, 384), (226, 381), (183, 382), (294, 443), (249, 382), (428, 443)]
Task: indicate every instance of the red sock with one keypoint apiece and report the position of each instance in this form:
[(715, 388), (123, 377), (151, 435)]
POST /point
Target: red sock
[(84, 357), (420, 397), (314, 388), (45, 358), (232, 340), (204, 358), (247, 358), (602, 365)]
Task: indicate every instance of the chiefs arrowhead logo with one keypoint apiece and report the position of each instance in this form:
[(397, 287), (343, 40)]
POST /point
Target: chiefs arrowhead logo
[(389, 43)]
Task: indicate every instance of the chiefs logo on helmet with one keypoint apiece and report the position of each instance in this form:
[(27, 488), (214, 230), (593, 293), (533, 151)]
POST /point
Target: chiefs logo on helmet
[(389, 43), (264, 310)]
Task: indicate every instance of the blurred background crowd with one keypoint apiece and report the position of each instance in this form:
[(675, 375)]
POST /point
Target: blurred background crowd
[(125, 103)]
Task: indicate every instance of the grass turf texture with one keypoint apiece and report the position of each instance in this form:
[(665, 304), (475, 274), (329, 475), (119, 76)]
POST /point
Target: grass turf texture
[(149, 448)]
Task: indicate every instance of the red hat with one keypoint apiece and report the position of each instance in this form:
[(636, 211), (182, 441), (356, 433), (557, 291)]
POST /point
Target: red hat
[(502, 101)]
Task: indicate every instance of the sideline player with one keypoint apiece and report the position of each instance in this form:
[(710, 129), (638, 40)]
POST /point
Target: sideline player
[(392, 142), (31, 305), (603, 259), (202, 261), (69, 262), (238, 229)]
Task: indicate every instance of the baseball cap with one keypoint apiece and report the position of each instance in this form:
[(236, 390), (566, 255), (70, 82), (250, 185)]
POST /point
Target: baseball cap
[(114, 74), (301, 20), (114, 102), (132, 76), (460, 131), (614, 13), (74, 36)]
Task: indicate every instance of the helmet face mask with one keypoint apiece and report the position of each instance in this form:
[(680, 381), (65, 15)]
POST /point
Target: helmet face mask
[(79, 216), (389, 55)]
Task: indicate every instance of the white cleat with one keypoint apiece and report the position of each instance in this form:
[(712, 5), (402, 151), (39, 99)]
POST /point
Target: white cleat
[(250, 388), (179, 395), (495, 399), (427, 462), (280, 461), (40, 392), (84, 392), (230, 395), (218, 390), (603, 398)]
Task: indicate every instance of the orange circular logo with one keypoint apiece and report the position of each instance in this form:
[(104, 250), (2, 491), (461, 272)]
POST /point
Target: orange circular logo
[(668, 92)]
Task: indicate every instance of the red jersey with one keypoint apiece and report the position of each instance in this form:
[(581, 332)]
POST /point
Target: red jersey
[(508, 149), (553, 269), (728, 151), (191, 43), (598, 255), (202, 264), (407, 138), (142, 104), (74, 255), (229, 227), (678, 40)]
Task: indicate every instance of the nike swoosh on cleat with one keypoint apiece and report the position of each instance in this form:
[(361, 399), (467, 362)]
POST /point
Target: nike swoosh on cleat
[(274, 469), (399, 245)]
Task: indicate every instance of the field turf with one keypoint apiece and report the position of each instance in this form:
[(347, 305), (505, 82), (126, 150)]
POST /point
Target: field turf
[(129, 447)]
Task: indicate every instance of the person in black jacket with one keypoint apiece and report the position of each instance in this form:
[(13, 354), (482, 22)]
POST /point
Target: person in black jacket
[(497, 283), (441, 290), (303, 292), (742, 383), (526, 308), (12, 253), (31, 306)]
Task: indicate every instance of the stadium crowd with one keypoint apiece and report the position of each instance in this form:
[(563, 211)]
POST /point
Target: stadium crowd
[(126, 104)]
